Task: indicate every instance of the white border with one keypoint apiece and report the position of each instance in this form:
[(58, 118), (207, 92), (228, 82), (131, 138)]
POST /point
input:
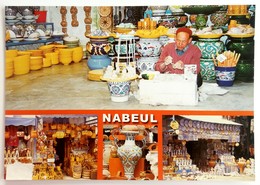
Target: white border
[(4, 3)]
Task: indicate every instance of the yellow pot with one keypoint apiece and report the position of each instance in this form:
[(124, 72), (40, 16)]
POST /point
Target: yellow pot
[(11, 53), (46, 62), (47, 49), (65, 60), (54, 57), (36, 63), (22, 64), (24, 53), (9, 67), (36, 52), (77, 56)]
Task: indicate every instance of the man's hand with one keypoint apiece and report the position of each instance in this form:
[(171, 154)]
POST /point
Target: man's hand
[(178, 65), (168, 60)]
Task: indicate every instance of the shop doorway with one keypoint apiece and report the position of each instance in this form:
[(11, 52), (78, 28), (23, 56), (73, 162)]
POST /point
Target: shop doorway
[(60, 152)]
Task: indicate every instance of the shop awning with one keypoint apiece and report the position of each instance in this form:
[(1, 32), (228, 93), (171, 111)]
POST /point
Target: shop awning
[(192, 128), (17, 121)]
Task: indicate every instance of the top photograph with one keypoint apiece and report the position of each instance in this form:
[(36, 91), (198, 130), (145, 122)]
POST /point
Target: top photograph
[(170, 57)]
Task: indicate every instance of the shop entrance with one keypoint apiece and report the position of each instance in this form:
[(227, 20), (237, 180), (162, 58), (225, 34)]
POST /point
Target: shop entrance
[(60, 152)]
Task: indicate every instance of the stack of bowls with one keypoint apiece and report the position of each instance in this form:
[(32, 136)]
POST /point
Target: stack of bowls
[(36, 62), (9, 67), (46, 61), (9, 62), (36, 52), (46, 49), (65, 56), (22, 64), (71, 42), (53, 58), (77, 54)]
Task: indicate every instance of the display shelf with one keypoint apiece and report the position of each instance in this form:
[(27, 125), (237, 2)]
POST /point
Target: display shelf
[(9, 44)]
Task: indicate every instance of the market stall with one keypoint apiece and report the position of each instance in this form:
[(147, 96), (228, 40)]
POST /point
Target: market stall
[(56, 145), (198, 145)]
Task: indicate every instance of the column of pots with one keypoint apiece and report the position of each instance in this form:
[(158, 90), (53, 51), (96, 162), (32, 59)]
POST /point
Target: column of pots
[(149, 50), (98, 48), (245, 65), (209, 47)]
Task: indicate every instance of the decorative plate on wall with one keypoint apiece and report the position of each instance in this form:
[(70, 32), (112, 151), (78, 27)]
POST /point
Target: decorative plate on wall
[(105, 22), (104, 10)]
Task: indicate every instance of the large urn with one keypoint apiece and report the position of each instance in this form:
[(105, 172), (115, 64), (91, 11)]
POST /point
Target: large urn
[(244, 46), (129, 153), (209, 47)]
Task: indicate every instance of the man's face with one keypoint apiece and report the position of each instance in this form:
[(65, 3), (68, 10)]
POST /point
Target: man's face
[(182, 40)]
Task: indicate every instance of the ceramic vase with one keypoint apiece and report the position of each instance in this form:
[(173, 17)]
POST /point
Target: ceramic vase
[(201, 20), (106, 152), (119, 90), (245, 70), (244, 46), (219, 18), (98, 46), (207, 69), (225, 76), (98, 62), (209, 47), (146, 63), (149, 47), (129, 153)]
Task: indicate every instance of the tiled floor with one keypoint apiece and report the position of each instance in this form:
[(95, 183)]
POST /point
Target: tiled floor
[(67, 87)]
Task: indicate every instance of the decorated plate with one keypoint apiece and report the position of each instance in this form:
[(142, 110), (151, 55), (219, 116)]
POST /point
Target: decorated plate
[(105, 22), (124, 30), (182, 122), (209, 36), (240, 35), (104, 10), (98, 37)]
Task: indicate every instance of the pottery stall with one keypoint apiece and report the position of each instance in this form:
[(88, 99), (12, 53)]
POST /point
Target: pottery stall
[(201, 143), (51, 147)]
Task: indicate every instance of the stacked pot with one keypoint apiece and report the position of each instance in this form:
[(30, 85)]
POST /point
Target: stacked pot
[(209, 47), (149, 50)]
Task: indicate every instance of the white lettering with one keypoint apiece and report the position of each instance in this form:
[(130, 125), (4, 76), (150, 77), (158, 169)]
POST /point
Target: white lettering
[(135, 118), (106, 118), (126, 118), (129, 118)]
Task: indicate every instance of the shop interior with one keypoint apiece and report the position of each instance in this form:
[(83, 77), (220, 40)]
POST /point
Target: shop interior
[(49, 77)]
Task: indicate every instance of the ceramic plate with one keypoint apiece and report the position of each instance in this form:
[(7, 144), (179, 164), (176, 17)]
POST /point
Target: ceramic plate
[(240, 35), (41, 32), (12, 34), (11, 21), (44, 37), (10, 17), (28, 21), (31, 39), (209, 36), (15, 40), (97, 37)]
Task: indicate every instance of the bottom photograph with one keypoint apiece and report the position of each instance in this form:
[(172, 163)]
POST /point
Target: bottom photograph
[(83, 147), (50, 147), (208, 148)]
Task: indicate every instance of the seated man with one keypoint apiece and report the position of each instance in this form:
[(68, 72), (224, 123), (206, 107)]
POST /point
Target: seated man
[(175, 55)]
